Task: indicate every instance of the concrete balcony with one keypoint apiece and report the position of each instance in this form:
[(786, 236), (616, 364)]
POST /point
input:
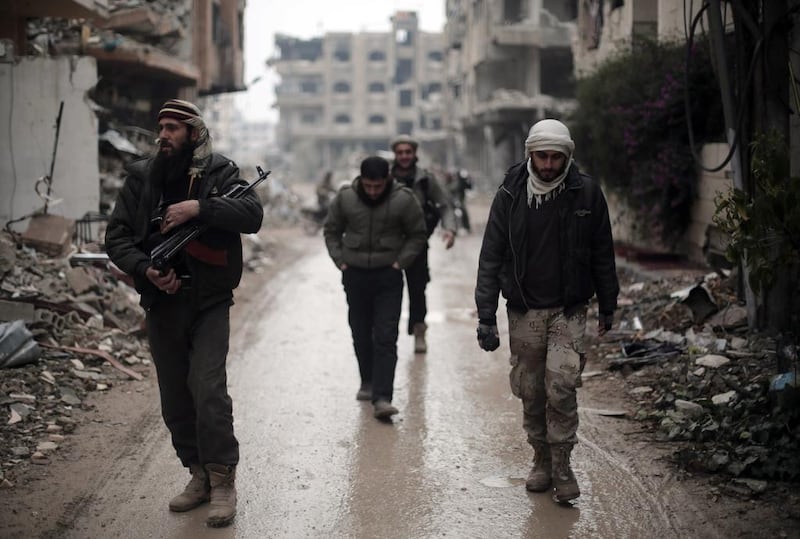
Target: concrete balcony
[(297, 99), (528, 34), (297, 67)]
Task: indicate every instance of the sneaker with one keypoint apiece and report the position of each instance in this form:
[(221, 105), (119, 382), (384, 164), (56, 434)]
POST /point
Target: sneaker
[(364, 392), (384, 409)]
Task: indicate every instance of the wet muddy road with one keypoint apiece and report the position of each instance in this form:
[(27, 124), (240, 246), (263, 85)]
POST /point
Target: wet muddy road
[(315, 463)]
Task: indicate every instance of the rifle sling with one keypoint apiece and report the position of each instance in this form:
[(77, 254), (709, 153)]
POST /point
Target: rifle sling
[(209, 255)]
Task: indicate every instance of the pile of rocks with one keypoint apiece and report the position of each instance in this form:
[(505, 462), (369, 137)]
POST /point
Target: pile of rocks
[(88, 327), (725, 396)]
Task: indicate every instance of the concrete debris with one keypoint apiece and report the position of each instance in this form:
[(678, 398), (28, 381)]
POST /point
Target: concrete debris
[(712, 361), (719, 393)]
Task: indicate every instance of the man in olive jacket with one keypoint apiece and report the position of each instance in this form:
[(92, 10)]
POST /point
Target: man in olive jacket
[(374, 230), (548, 248), (187, 306)]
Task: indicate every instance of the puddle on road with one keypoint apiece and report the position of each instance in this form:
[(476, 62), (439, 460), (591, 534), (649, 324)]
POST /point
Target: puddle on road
[(497, 481)]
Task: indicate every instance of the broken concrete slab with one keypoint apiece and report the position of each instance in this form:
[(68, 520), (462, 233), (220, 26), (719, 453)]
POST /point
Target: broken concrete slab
[(15, 310), (712, 361), (50, 234)]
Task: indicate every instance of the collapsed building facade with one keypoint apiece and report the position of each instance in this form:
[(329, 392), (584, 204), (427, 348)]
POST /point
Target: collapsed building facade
[(343, 95), (509, 64), (86, 78)]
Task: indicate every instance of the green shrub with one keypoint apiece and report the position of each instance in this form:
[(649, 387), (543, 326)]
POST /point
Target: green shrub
[(630, 130)]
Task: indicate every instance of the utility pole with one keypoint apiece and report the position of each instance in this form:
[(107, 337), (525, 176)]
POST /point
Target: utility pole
[(717, 33)]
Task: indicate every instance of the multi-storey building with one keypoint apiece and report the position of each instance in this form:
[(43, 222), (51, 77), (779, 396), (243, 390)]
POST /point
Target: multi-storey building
[(344, 95), (509, 64)]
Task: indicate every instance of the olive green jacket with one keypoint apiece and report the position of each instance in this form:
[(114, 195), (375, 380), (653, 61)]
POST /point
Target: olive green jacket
[(366, 236)]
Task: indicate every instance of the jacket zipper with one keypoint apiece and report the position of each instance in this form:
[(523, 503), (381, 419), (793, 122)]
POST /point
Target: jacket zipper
[(513, 252)]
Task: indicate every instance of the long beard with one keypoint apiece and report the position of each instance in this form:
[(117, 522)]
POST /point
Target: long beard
[(168, 169)]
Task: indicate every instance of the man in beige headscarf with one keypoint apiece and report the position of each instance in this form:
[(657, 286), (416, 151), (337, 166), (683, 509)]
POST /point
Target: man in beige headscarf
[(548, 249), (187, 305)]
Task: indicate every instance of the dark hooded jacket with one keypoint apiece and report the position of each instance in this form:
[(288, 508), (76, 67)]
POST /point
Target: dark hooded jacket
[(585, 244), (215, 264)]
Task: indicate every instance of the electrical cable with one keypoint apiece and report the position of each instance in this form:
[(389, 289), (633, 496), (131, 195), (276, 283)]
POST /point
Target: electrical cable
[(11, 145), (739, 123)]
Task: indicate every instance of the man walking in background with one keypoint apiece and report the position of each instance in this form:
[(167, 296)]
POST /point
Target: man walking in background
[(436, 206), (375, 229), (548, 248), (187, 306)]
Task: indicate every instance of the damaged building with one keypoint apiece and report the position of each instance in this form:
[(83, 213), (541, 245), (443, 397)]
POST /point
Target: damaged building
[(509, 64), (344, 94), (85, 79)]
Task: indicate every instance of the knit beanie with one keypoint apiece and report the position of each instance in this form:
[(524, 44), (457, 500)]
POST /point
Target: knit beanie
[(189, 114)]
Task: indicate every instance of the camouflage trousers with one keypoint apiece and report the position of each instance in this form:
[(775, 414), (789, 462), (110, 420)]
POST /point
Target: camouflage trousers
[(546, 348)]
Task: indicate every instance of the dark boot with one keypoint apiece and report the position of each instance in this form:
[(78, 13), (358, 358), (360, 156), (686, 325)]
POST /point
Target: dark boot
[(565, 486), (195, 493), (420, 346), (223, 495), (539, 478)]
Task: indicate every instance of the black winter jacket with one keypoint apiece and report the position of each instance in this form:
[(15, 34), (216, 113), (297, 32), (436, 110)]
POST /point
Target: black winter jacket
[(129, 227), (586, 245)]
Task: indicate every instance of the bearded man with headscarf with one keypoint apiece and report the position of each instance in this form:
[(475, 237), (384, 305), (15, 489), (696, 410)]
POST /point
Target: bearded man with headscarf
[(187, 306), (548, 249)]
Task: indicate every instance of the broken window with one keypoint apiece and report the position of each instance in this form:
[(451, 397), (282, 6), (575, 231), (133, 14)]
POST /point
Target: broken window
[(403, 71), (405, 127), (513, 11), (436, 56), (406, 98), (308, 87), (404, 37)]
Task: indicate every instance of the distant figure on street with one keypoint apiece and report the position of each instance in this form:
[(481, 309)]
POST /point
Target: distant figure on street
[(187, 306), (548, 248), (436, 207), (458, 183), (375, 229), (325, 191)]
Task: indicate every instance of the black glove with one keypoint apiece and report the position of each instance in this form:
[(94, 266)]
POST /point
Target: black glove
[(605, 321), (488, 337)]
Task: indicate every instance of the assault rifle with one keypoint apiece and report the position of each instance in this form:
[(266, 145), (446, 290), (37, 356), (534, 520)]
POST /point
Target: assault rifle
[(165, 252)]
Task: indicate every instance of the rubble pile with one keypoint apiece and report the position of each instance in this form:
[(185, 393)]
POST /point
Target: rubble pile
[(727, 397), (88, 328)]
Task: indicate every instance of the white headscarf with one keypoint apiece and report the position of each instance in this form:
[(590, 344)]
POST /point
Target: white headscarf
[(547, 135)]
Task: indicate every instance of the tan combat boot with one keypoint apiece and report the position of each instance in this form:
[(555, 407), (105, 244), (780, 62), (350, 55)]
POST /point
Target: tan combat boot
[(420, 346), (195, 493), (565, 486), (223, 495), (539, 478)]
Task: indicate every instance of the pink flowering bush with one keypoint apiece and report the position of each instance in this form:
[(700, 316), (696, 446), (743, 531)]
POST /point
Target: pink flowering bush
[(631, 130)]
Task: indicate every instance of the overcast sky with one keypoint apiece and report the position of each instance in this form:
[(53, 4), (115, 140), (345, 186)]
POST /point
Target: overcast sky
[(310, 18)]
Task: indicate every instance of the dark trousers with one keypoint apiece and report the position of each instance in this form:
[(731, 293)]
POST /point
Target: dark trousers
[(417, 278), (189, 349), (375, 298)]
